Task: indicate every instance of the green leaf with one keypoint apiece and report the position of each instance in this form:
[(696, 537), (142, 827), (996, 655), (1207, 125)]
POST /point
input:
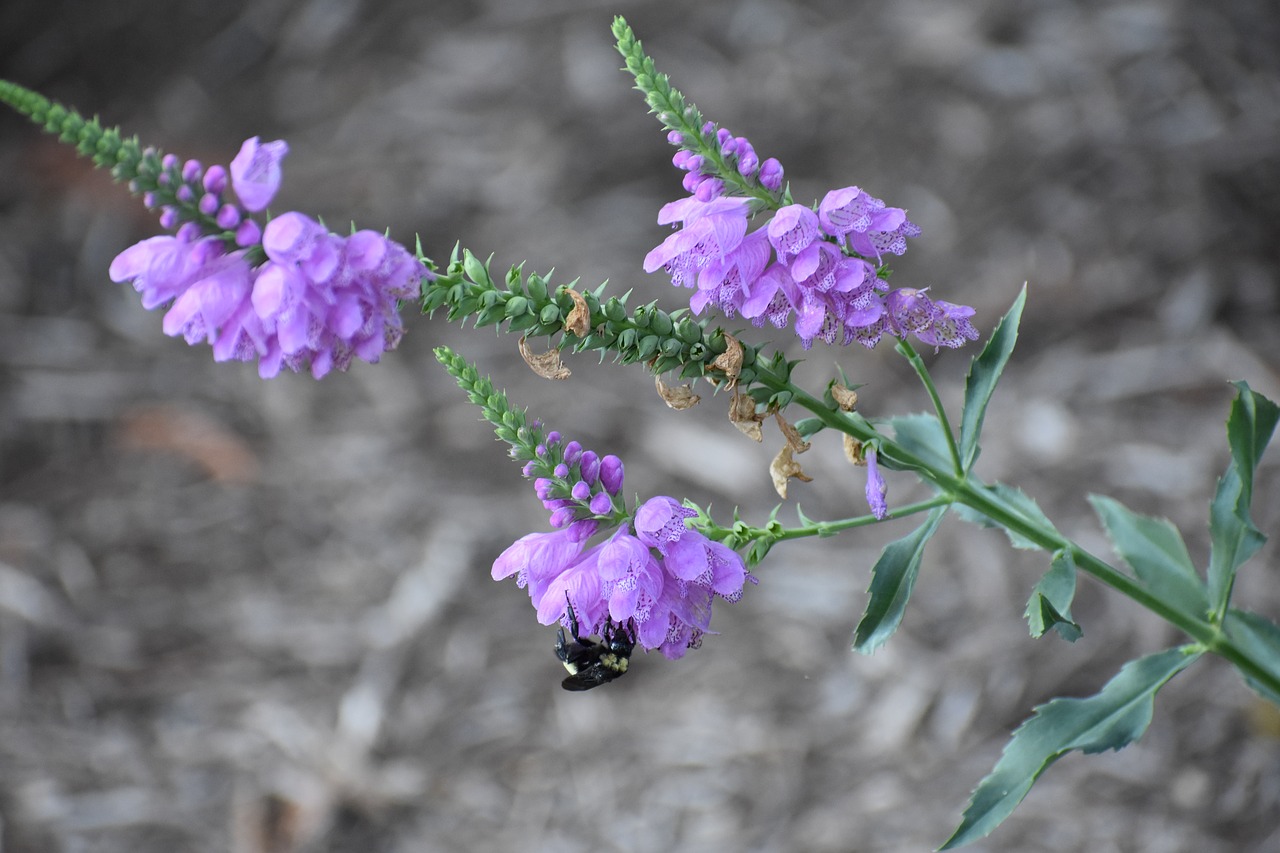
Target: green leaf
[(1017, 500), (984, 373), (1050, 604), (1155, 550), (1233, 536), (920, 435), (1260, 639), (892, 579), (1113, 718)]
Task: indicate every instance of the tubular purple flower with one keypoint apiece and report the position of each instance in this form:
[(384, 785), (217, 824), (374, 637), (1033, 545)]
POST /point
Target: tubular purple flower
[(727, 282), (579, 584), (660, 521), (791, 230), (710, 230), (951, 326), (162, 268), (255, 172), (631, 579), (877, 489), (205, 307), (536, 560)]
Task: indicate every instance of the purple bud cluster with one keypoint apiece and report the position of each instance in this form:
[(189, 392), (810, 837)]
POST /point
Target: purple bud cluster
[(290, 294), (703, 184), (654, 578), (583, 487), (818, 265)]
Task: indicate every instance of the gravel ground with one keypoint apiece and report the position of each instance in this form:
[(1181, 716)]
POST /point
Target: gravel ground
[(249, 616)]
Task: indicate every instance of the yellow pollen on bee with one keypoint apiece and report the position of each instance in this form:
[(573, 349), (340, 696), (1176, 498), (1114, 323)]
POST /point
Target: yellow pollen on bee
[(573, 670)]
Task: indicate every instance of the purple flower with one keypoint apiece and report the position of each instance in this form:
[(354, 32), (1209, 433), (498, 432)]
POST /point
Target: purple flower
[(727, 281), (319, 301), (864, 223), (791, 230), (939, 324), (711, 229), (255, 172), (655, 578), (876, 488)]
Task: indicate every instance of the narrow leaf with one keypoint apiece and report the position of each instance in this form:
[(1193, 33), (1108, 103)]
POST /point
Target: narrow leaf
[(1260, 639), (892, 579), (1233, 536), (1111, 719), (1155, 550), (1050, 604), (984, 373), (1018, 500)]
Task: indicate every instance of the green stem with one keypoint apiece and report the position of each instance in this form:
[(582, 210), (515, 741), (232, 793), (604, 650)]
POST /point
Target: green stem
[(830, 528), (908, 352), (975, 494)]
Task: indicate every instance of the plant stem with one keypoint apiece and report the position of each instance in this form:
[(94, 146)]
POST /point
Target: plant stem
[(908, 352), (977, 495)]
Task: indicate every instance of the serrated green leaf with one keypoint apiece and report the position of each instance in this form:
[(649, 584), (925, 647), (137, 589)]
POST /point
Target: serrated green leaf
[(1050, 603), (1260, 639), (922, 436), (1155, 550), (984, 373), (1018, 500), (892, 579), (1234, 538), (1111, 719)]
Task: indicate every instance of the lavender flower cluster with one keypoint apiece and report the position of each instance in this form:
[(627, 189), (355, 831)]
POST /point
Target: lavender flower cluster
[(815, 263), (654, 577), (290, 294)]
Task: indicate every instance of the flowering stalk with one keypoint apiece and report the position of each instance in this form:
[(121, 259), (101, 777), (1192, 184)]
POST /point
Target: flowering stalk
[(286, 293), (649, 575)]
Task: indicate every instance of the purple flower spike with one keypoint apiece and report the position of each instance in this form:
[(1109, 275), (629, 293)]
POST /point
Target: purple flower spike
[(877, 489), (255, 172)]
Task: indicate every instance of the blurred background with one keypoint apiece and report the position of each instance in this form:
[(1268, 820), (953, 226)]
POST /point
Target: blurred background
[(257, 616)]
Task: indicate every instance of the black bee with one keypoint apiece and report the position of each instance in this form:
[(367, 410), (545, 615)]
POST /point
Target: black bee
[(589, 663)]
